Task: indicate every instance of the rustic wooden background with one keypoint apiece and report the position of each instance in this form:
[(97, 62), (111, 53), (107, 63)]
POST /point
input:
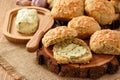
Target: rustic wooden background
[(5, 5)]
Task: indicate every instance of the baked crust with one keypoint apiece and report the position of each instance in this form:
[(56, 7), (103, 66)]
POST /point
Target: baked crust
[(106, 42), (116, 4), (67, 9), (72, 54), (84, 25), (58, 34), (102, 11)]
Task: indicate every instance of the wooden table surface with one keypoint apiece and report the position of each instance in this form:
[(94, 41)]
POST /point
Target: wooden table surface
[(5, 5)]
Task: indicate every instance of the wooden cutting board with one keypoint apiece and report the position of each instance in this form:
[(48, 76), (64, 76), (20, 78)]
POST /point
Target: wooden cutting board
[(99, 65)]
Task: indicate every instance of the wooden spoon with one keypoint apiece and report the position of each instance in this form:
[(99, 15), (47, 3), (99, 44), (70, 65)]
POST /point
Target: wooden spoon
[(46, 23)]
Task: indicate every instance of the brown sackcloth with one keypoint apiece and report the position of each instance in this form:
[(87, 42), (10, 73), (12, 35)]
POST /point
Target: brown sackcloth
[(22, 65)]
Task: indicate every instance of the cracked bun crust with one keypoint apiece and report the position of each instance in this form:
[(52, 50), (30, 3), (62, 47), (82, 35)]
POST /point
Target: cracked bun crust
[(67, 9), (84, 25), (106, 42), (58, 34), (72, 51), (101, 10)]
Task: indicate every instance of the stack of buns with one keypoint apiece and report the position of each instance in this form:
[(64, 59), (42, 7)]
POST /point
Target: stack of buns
[(65, 50), (67, 39), (103, 11)]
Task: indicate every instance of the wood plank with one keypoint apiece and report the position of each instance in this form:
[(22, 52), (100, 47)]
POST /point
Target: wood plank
[(4, 75), (5, 6)]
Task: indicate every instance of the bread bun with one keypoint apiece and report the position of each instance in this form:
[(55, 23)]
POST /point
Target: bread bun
[(101, 10), (72, 51), (67, 9), (84, 25), (58, 34), (105, 42)]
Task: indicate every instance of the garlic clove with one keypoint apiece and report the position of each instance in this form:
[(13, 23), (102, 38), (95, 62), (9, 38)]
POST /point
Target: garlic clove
[(39, 3), (23, 2)]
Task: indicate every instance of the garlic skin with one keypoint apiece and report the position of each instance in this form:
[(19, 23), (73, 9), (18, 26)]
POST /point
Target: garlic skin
[(39, 3), (24, 2)]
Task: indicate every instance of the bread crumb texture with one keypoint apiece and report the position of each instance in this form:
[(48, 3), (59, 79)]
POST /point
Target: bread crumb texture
[(72, 51)]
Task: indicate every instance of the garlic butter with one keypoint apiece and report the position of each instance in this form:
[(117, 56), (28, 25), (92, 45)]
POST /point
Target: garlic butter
[(71, 51), (27, 21)]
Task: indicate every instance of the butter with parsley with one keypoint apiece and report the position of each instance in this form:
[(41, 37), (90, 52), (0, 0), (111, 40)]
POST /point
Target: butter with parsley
[(27, 21), (72, 51)]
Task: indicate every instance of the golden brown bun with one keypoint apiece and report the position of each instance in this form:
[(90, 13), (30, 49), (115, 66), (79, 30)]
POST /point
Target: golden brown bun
[(116, 4), (106, 42), (72, 51), (58, 34), (102, 11), (84, 25), (67, 9)]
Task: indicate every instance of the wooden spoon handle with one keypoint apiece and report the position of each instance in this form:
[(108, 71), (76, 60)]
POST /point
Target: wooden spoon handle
[(33, 44), (46, 23)]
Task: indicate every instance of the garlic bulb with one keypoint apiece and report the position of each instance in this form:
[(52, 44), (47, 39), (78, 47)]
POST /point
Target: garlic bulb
[(23, 2), (39, 3)]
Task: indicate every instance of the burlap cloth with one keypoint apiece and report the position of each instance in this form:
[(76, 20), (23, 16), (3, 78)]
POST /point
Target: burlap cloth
[(22, 65)]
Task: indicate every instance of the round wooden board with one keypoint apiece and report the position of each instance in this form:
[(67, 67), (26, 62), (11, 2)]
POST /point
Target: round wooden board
[(98, 66)]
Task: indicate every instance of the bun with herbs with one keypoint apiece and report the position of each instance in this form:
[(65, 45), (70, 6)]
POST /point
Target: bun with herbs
[(105, 42), (67, 9), (84, 25), (101, 10), (57, 35)]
